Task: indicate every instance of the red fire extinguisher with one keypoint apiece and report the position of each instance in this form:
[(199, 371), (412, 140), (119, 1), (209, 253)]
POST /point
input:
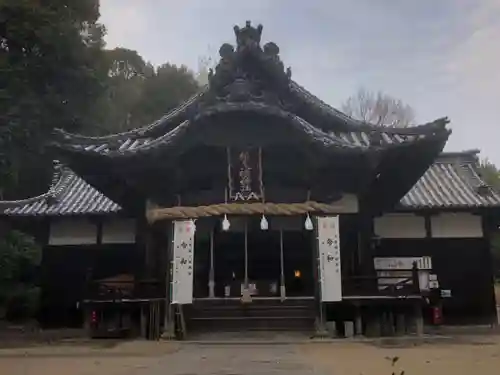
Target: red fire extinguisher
[(437, 315), (93, 318)]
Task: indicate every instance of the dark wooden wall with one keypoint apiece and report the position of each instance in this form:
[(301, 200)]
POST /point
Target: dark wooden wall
[(349, 252), (64, 272), (463, 265)]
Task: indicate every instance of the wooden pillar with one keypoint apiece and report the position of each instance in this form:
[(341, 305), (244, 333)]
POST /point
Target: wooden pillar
[(211, 275), (143, 247), (87, 324), (143, 321), (168, 325), (246, 254), (373, 324), (365, 265), (320, 323), (86, 309), (282, 268), (400, 323), (389, 322), (100, 227), (358, 322), (418, 319), (487, 226)]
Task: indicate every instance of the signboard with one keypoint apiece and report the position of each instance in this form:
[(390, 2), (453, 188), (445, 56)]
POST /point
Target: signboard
[(182, 270), (402, 263), (399, 269), (329, 259), (245, 174)]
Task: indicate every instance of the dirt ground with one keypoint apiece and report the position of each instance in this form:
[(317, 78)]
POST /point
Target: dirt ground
[(464, 355), (480, 357)]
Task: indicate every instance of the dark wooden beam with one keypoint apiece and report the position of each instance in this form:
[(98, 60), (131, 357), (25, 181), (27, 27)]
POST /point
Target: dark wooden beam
[(428, 225)]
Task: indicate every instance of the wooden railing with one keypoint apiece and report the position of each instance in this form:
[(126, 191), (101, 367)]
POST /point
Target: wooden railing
[(382, 285), (124, 290)]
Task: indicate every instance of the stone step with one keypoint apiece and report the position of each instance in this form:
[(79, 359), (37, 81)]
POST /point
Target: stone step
[(249, 312), (251, 306), (261, 314), (255, 302), (236, 324)]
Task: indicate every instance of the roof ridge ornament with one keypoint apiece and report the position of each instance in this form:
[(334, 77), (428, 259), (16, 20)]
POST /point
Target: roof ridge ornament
[(248, 36), (244, 73)]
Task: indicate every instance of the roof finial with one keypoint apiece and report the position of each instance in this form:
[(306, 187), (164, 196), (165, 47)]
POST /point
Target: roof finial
[(248, 36)]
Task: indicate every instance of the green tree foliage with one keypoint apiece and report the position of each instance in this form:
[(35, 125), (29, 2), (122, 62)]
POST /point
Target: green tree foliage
[(139, 93), (126, 71), (19, 259), (55, 73), (164, 88), (51, 72), (490, 173)]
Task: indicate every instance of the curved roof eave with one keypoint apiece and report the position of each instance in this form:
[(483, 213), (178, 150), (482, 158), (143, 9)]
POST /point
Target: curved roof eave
[(311, 133), (59, 182), (167, 122), (164, 123), (355, 125)]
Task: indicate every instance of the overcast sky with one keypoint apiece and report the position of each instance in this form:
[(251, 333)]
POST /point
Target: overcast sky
[(440, 56)]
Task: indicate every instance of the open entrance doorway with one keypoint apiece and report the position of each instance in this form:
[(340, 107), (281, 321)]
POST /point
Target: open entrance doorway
[(298, 263), (277, 262)]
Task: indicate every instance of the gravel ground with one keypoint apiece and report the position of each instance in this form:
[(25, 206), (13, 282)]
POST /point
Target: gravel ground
[(455, 356)]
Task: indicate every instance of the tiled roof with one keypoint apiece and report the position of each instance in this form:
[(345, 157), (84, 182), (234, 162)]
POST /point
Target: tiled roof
[(361, 139), (451, 182), (70, 195)]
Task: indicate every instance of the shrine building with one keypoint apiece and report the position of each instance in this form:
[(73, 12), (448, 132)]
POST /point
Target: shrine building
[(254, 205)]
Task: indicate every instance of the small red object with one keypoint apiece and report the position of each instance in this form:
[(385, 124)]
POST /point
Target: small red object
[(437, 315), (93, 317)]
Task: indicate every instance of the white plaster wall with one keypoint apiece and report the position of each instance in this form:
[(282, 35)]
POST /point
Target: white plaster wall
[(399, 226), (119, 231), (72, 232), (456, 225)]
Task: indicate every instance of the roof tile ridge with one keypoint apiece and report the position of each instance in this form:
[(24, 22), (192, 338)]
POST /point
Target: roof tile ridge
[(60, 181), (325, 106), (365, 126), (471, 154), (55, 188), (468, 171), (436, 125)]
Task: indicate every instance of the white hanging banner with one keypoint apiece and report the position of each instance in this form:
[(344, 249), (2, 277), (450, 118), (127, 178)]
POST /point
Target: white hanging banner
[(329, 259), (182, 281)]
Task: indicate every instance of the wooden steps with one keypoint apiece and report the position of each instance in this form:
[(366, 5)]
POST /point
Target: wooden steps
[(265, 314)]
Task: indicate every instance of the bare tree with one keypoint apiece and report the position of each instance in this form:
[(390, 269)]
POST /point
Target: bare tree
[(379, 109)]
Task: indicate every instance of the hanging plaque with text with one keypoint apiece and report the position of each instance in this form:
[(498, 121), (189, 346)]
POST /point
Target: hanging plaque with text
[(245, 174), (329, 259), (182, 282)]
